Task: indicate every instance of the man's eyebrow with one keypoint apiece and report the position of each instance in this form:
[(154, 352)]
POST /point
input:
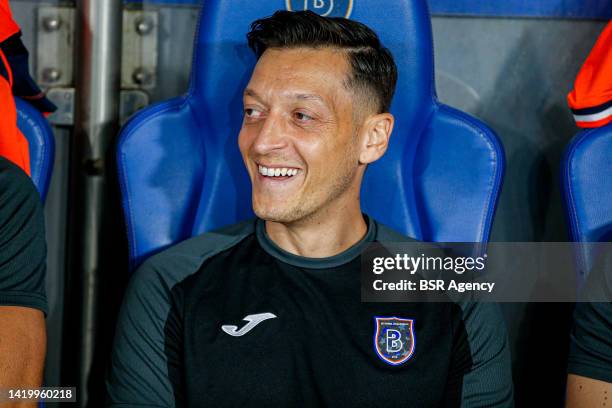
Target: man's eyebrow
[(250, 92), (300, 96)]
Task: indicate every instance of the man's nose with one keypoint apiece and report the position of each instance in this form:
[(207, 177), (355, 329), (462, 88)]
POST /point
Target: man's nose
[(271, 136)]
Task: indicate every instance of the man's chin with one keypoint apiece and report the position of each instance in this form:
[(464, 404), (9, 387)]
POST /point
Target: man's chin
[(281, 215)]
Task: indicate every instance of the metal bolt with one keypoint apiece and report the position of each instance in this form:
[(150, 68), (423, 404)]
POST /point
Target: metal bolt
[(144, 25), (52, 23), (51, 74), (142, 76)]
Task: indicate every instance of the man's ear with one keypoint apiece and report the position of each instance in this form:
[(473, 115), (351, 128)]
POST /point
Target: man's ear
[(375, 134)]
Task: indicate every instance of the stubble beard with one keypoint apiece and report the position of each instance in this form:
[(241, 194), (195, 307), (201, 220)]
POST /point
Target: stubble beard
[(313, 203)]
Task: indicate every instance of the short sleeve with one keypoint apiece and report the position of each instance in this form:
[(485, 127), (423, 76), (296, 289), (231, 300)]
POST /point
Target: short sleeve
[(145, 357), (591, 341), (23, 248), (487, 377), (591, 337)]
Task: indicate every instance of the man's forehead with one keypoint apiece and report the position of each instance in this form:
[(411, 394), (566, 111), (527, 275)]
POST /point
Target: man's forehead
[(327, 58), (302, 73)]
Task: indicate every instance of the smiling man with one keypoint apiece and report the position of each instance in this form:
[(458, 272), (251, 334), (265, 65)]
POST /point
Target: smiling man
[(268, 312)]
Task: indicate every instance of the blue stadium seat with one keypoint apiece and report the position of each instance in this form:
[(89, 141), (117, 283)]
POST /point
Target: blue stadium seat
[(181, 172), (587, 187), (37, 130)]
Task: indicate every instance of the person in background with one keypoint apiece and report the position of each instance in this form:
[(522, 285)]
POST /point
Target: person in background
[(15, 80), (23, 302), (589, 381)]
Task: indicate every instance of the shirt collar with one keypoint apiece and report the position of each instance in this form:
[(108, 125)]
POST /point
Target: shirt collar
[(315, 263)]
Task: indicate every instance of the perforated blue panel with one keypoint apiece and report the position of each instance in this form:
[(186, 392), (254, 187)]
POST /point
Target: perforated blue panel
[(41, 142), (587, 185)]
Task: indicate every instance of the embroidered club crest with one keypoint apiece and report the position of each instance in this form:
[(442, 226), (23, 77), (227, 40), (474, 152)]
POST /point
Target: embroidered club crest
[(394, 339), (326, 8)]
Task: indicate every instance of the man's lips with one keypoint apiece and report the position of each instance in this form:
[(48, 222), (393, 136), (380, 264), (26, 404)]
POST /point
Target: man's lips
[(279, 179)]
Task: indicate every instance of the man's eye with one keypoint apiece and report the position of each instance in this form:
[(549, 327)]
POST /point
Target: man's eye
[(302, 117), (252, 113)]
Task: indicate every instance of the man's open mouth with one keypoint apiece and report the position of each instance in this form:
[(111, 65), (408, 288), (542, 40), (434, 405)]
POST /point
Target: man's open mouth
[(277, 171)]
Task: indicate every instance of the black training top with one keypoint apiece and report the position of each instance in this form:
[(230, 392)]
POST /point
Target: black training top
[(230, 319), (23, 249), (591, 339)]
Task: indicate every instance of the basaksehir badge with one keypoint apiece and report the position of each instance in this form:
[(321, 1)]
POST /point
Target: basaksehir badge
[(325, 8), (394, 339)]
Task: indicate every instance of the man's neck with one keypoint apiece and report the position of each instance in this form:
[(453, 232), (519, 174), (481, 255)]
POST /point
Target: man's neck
[(320, 236)]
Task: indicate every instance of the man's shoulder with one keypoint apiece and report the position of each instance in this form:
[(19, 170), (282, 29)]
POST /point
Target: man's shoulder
[(209, 243), (471, 310), (22, 239), (15, 184), (384, 233), (181, 260), (20, 200)]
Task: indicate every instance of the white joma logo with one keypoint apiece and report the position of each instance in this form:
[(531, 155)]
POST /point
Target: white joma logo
[(253, 320)]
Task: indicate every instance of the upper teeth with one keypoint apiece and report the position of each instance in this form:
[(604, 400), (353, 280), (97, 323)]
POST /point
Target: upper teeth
[(277, 171)]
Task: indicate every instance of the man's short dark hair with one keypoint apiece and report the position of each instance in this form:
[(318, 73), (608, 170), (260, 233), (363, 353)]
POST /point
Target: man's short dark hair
[(373, 67)]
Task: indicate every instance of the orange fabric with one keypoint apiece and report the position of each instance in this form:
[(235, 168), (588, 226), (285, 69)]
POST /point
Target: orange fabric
[(593, 85), (13, 144), (6, 65), (8, 26)]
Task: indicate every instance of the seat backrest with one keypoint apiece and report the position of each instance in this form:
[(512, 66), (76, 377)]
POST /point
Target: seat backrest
[(586, 173), (181, 172), (37, 131)]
